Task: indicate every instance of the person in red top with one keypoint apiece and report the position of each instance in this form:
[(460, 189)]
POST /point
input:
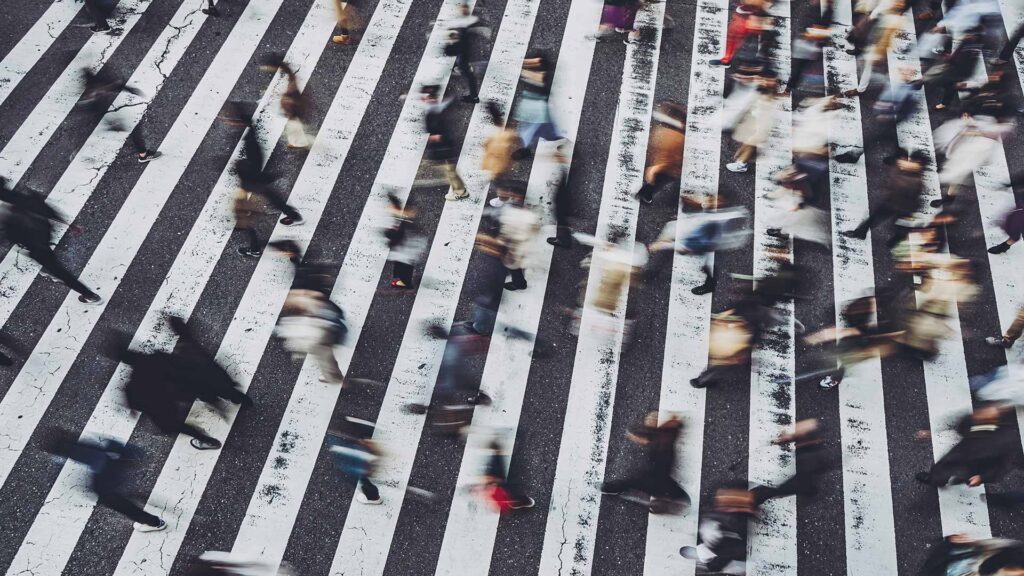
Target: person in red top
[(742, 23)]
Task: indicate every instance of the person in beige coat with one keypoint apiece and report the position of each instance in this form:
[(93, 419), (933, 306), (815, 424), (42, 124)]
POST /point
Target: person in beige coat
[(498, 150), (755, 127), (519, 226)]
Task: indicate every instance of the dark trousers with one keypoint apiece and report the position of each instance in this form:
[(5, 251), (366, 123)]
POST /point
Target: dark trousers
[(119, 503), (797, 73), (97, 13), (655, 483), (402, 271), (252, 237), (799, 484), (275, 199), (878, 215), (648, 189), (518, 278), (1007, 51), (368, 488), (48, 260), (462, 63)]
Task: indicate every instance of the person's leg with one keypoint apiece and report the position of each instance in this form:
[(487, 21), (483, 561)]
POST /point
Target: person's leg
[(1007, 52), (210, 9), (123, 505), (254, 242), (454, 180), (48, 260), (869, 70), (1016, 328), (197, 433), (745, 153), (467, 73), (369, 489), (328, 363), (295, 132), (402, 272), (275, 199), (98, 17), (796, 74), (709, 281), (518, 280)]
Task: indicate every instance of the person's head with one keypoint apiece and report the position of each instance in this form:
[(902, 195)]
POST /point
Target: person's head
[(272, 61), (430, 93), (237, 113)]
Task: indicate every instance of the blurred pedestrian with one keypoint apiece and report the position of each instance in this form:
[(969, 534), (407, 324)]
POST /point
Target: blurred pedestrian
[(723, 531), (406, 244), (812, 460), (296, 104), (109, 463), (519, 225), (756, 126), (654, 479), (99, 11), (312, 324), (227, 564), (101, 88), (982, 456), (532, 113), (619, 16), (1012, 333), (495, 484), (27, 223), (356, 456), (462, 42), (664, 150), (562, 199), (904, 187), (742, 23), (440, 152)]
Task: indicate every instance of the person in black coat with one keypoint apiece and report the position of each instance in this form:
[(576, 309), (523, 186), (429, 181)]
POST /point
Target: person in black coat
[(655, 478), (982, 455), (250, 168), (27, 223), (462, 44), (562, 201), (101, 88), (812, 460), (902, 197)]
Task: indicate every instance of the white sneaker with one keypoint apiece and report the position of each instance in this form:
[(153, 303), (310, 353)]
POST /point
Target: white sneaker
[(147, 528), (453, 195), (496, 202), (736, 167), (362, 499)]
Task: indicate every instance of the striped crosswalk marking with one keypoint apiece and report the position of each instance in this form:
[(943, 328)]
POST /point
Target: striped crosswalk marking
[(572, 515), (368, 531), (867, 494), (472, 525), (686, 341), (962, 508)]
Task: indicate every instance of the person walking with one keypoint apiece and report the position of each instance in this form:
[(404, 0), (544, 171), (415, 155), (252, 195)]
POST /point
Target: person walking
[(902, 197), (655, 478), (1012, 333), (533, 113), (356, 456), (498, 149), (462, 44), (664, 149), (99, 11), (983, 453), (405, 244), (109, 463), (1013, 225), (495, 484), (619, 16), (295, 104), (562, 200), (1011, 45), (723, 531), (518, 227), (27, 223), (101, 88), (756, 126), (211, 9), (742, 23), (440, 150), (812, 460)]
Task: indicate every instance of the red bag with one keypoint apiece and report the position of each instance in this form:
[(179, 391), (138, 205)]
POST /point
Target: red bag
[(498, 496)]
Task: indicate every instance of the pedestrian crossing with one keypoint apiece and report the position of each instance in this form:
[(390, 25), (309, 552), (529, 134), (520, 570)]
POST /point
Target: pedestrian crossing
[(56, 527)]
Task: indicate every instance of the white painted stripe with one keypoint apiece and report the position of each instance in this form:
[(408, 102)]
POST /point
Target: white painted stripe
[(772, 545), (1013, 18), (368, 532), (572, 515), (686, 337), (472, 525), (67, 508), (44, 119), (949, 396), (275, 503), (867, 490), (79, 181), (27, 52), (246, 338), (36, 384)]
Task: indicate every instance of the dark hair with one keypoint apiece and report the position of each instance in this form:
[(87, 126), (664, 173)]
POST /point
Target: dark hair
[(430, 90), (494, 111)]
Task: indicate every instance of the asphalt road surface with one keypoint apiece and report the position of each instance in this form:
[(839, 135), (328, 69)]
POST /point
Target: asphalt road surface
[(156, 238)]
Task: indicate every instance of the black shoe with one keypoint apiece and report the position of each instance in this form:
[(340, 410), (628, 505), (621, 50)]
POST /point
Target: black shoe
[(148, 156), (210, 444), (250, 253), (696, 383), (522, 154), (776, 233), (470, 99), (855, 234), (213, 12), (717, 62), (557, 242), (938, 202), (923, 477), (609, 492), (289, 221), (999, 248), (90, 298), (481, 399), (100, 27), (512, 286), (705, 288), (646, 199)]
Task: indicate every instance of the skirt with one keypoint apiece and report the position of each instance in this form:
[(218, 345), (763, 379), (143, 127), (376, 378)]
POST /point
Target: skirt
[(619, 16)]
